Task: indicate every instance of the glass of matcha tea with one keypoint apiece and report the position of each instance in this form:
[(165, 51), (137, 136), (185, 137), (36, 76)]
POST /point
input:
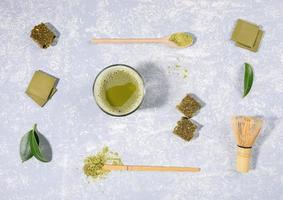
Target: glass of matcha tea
[(118, 90)]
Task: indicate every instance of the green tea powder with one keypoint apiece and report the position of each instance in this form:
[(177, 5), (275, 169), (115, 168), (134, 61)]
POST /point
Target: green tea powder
[(93, 165), (181, 39)]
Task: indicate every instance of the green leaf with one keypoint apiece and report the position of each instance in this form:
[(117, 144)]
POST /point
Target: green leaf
[(248, 80), (25, 150), (34, 145)]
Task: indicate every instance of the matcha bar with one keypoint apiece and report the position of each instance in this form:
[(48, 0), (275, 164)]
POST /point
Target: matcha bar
[(42, 35), (189, 106), (257, 42), (42, 87), (247, 35), (39, 100), (185, 129)]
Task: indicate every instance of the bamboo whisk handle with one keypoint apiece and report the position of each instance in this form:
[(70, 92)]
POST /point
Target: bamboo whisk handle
[(243, 159)]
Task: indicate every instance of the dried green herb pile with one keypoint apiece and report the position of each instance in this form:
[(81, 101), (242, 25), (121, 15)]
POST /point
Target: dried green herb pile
[(93, 165)]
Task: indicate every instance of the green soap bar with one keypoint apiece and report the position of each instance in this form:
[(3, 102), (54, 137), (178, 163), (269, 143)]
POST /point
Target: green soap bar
[(42, 87), (257, 43), (245, 33)]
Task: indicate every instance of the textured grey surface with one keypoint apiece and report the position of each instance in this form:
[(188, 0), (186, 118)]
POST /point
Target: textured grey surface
[(76, 127)]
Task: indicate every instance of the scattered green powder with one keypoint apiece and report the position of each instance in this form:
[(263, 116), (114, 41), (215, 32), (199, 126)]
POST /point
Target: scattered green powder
[(181, 39), (185, 73), (178, 70), (93, 165)]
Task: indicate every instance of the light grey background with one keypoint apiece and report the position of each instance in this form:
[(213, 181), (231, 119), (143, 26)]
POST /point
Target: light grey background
[(76, 127)]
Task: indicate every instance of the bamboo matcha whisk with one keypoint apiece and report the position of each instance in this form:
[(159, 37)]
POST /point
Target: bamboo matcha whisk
[(245, 129)]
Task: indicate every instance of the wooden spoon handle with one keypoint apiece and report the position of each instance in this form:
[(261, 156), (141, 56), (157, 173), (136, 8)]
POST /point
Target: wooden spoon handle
[(150, 168), (126, 40)]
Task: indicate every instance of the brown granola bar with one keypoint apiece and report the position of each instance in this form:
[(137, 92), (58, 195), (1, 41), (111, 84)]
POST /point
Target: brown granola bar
[(189, 106), (185, 129), (42, 35)]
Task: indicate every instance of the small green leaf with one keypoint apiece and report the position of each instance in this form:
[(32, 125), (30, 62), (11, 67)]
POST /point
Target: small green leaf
[(248, 79), (25, 150), (34, 145)]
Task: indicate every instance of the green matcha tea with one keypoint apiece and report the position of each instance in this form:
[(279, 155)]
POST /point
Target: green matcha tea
[(118, 90)]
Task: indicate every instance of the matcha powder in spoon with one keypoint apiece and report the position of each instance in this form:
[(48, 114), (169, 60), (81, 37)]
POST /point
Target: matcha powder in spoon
[(181, 39), (93, 165)]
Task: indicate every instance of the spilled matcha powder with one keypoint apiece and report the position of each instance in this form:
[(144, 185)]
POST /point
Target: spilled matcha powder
[(93, 165), (178, 70), (181, 39)]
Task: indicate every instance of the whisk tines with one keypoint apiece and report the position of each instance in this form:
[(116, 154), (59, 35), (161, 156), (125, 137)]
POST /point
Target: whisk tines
[(246, 129)]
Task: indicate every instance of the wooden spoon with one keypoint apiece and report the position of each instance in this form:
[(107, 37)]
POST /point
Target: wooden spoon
[(150, 168), (164, 40)]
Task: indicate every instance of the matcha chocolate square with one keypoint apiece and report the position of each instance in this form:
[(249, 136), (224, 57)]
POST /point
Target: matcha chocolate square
[(185, 129), (39, 100), (41, 87), (42, 35), (256, 45), (189, 106), (245, 33)]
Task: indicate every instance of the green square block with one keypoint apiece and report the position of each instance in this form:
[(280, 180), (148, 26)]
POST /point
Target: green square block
[(42, 87), (257, 43), (245, 33)]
